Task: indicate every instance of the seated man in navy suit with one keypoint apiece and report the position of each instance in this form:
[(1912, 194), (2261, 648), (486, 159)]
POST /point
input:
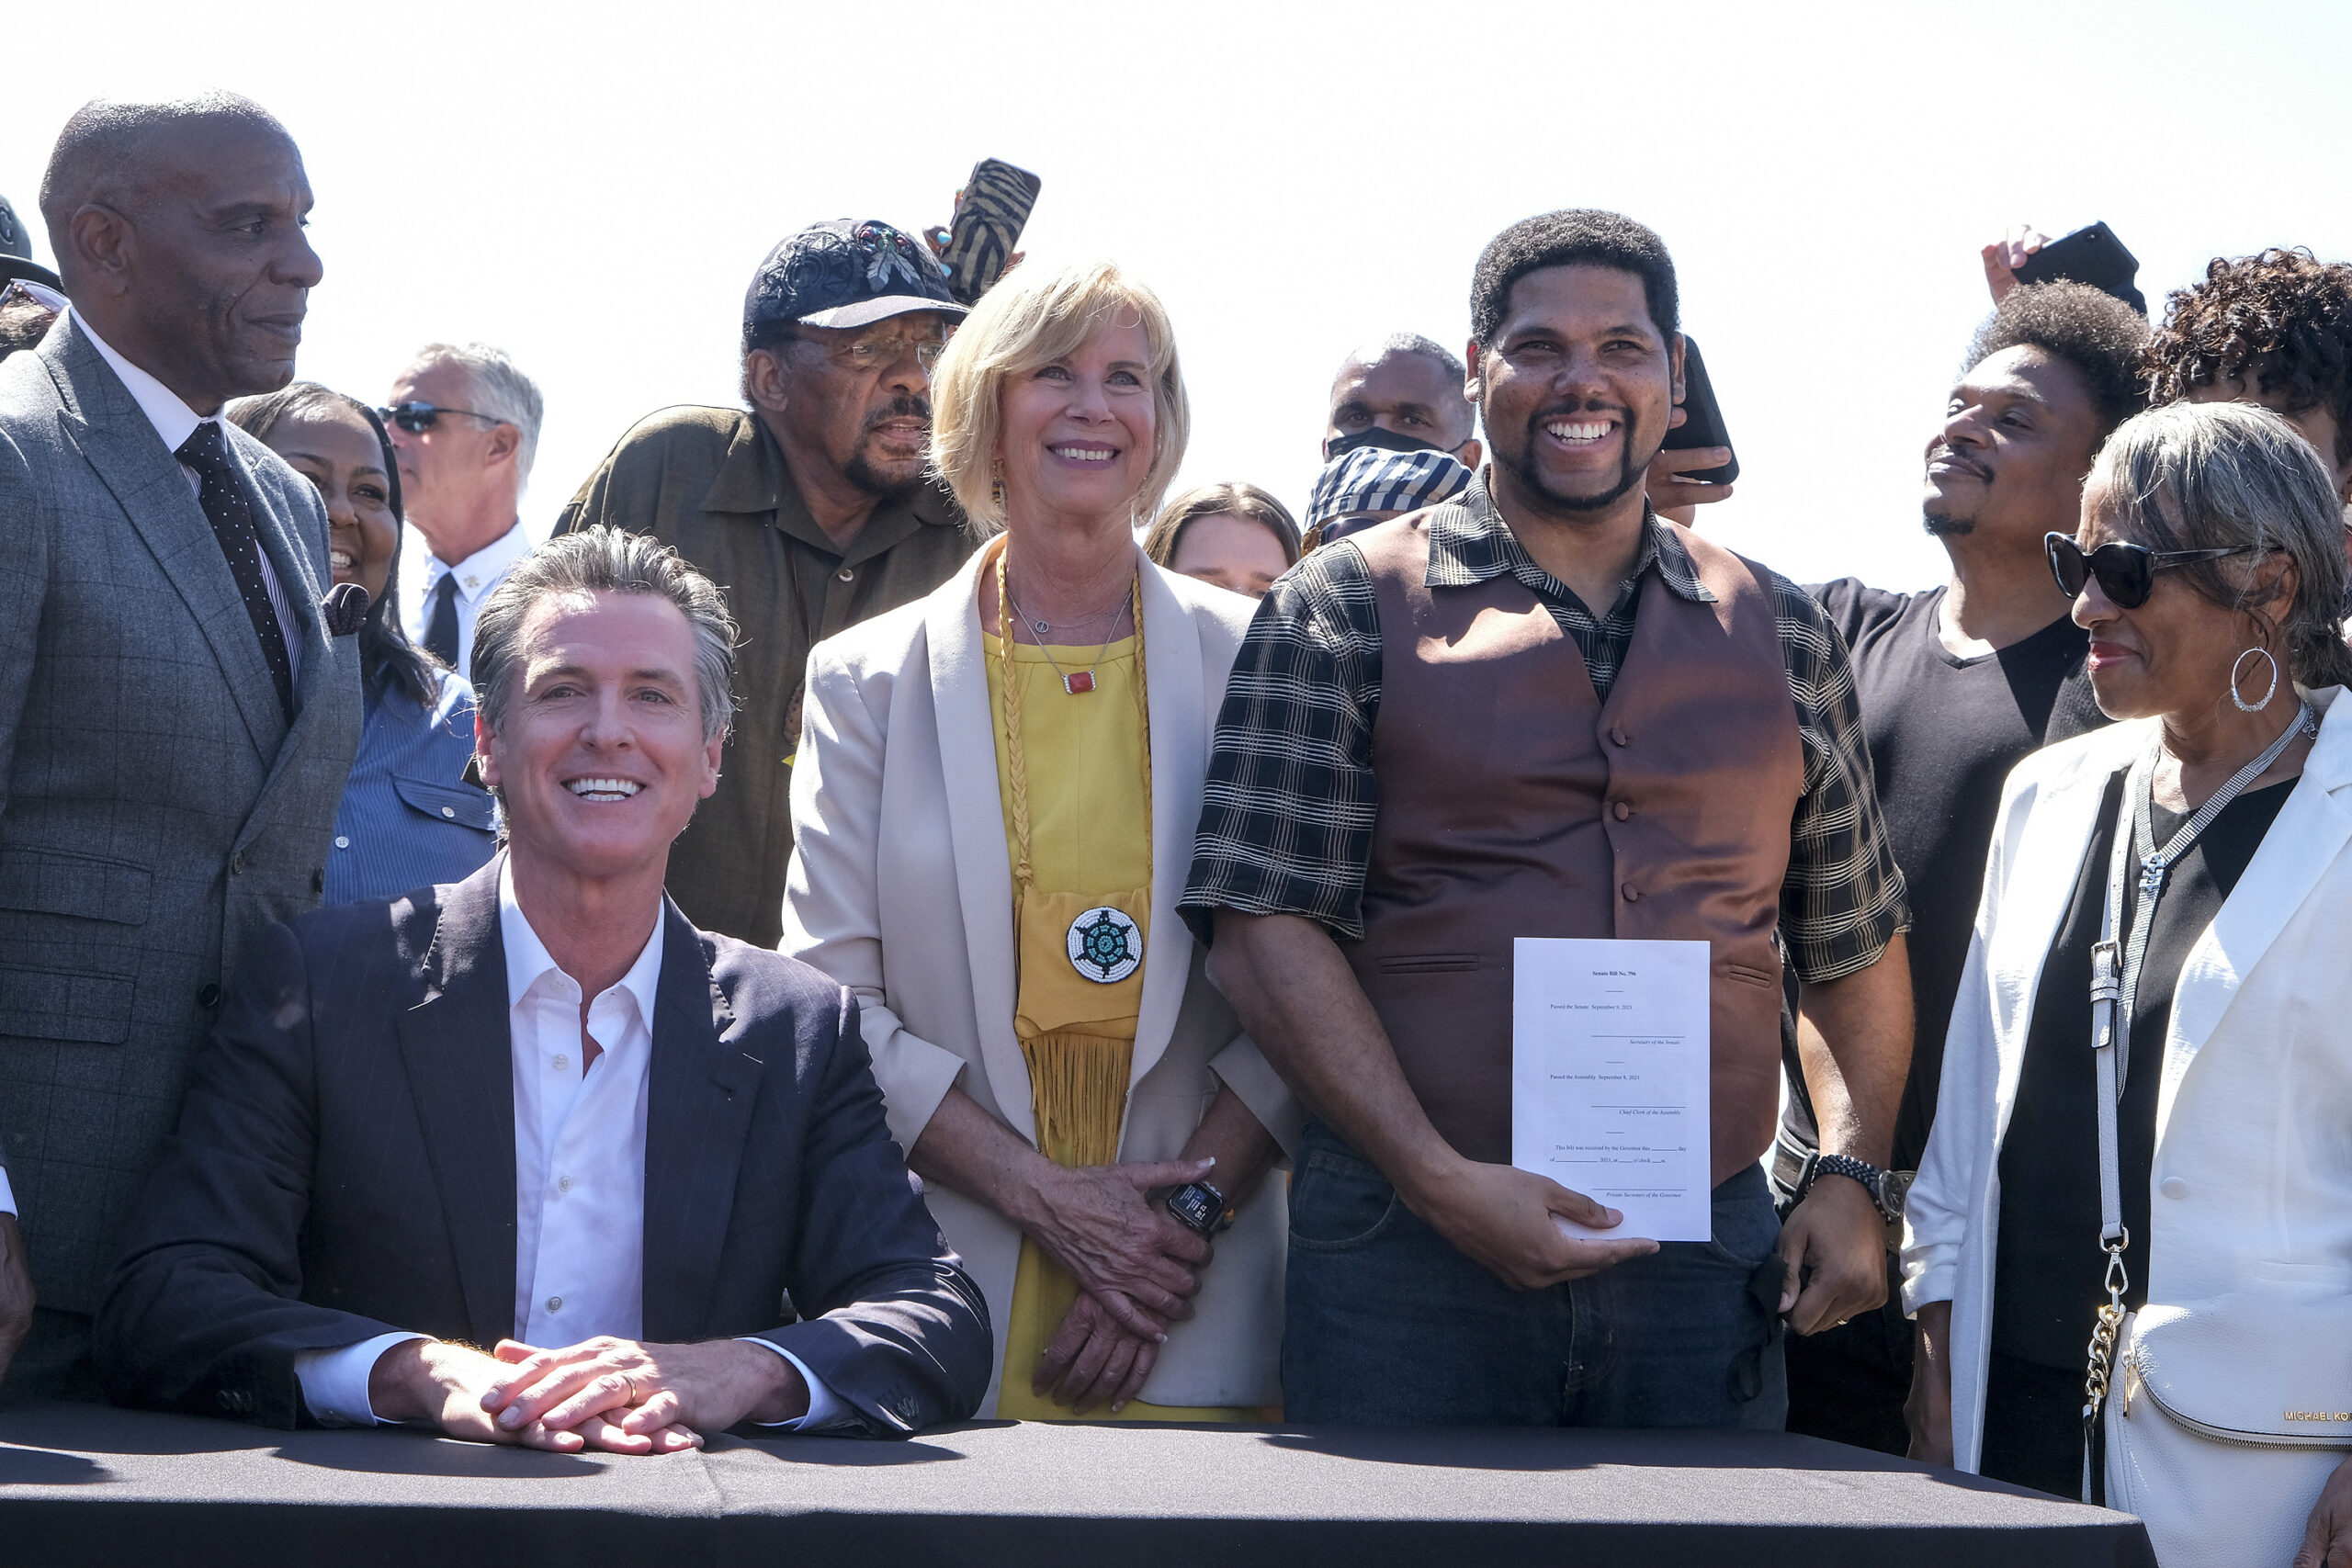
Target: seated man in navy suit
[(539, 1110)]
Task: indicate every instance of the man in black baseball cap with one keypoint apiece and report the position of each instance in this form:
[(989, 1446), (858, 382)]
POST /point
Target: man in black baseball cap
[(809, 507)]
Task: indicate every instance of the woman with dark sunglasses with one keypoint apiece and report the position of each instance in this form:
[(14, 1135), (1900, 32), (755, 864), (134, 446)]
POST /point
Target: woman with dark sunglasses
[(2141, 1137), (409, 816)]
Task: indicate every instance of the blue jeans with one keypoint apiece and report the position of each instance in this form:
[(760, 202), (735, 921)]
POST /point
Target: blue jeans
[(1386, 1323)]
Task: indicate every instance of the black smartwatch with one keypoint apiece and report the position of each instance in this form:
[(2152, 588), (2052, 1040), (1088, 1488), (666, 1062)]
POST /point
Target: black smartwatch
[(1874, 1181), (1200, 1208)]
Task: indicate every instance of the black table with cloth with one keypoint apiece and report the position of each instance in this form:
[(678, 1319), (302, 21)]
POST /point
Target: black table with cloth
[(93, 1486)]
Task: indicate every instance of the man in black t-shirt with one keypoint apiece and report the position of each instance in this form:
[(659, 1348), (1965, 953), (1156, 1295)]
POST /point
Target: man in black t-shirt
[(1957, 685)]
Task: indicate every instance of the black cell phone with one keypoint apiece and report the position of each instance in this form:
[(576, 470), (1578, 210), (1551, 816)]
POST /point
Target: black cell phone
[(2092, 255), (1704, 427), (989, 215)]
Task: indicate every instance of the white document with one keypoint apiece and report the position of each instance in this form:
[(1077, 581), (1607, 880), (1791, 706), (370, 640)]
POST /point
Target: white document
[(1610, 1080)]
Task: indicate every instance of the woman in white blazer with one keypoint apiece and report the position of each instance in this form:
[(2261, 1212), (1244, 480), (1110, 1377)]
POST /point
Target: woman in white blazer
[(991, 833), (2214, 582)]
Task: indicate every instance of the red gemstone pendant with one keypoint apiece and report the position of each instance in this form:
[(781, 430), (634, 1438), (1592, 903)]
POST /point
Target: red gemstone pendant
[(1081, 682)]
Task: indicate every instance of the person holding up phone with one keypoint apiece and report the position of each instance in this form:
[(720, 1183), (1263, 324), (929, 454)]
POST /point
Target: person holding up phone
[(2273, 329), (1957, 685), (2090, 255)]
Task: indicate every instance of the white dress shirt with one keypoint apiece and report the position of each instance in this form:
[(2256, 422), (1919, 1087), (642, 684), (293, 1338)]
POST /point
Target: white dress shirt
[(421, 575), (578, 1172), (175, 422)]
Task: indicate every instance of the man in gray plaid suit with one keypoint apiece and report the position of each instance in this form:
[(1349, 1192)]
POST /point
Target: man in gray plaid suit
[(176, 721)]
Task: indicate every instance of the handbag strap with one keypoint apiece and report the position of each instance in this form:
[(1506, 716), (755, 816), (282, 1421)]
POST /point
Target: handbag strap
[(2115, 985), (2107, 995)]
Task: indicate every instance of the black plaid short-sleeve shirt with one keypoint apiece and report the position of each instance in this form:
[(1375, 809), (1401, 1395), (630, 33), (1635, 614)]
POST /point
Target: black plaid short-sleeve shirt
[(1286, 821)]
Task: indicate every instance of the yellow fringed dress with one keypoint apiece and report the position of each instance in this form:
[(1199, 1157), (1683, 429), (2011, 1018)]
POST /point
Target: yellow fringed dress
[(1088, 809)]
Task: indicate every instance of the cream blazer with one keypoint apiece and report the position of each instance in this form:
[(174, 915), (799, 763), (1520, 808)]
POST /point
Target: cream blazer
[(2251, 1183), (901, 888)]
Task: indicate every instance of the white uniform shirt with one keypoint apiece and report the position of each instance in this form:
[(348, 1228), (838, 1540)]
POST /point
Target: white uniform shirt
[(477, 575), (579, 1171)]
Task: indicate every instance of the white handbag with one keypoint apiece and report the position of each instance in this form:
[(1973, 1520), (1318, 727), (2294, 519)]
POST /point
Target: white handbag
[(2228, 1419), (2231, 1413)]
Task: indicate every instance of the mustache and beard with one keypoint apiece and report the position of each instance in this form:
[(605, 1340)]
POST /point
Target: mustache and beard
[(1631, 471), (1943, 524), (901, 476)]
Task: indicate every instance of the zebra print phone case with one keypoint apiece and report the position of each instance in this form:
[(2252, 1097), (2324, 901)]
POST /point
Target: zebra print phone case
[(989, 215)]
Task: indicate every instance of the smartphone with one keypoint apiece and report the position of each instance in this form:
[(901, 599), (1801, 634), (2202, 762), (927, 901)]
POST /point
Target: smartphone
[(1704, 425), (2092, 255), (992, 209)]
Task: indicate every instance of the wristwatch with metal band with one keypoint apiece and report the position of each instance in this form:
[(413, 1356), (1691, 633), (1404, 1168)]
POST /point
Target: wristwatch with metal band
[(1876, 1182), (1200, 1208)]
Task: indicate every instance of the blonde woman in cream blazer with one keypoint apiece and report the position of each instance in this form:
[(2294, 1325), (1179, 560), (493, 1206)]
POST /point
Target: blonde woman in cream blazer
[(900, 889), (904, 887)]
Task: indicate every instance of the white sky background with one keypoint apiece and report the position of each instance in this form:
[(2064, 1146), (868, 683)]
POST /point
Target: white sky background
[(590, 185)]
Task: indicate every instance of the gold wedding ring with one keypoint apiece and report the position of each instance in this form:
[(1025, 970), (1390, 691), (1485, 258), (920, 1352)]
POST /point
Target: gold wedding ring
[(631, 1384)]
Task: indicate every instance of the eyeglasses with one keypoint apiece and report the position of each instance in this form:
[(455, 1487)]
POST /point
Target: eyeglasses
[(2126, 573), (417, 418), (870, 354)]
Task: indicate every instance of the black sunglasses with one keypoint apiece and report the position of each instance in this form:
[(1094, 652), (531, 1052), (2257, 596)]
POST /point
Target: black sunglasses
[(2126, 573), (416, 418)]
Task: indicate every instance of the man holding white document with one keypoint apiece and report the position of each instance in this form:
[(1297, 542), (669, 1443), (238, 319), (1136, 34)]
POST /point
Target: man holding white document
[(1502, 884)]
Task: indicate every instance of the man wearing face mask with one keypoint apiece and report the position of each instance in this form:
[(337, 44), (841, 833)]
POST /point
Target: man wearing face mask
[(1402, 393), (810, 509)]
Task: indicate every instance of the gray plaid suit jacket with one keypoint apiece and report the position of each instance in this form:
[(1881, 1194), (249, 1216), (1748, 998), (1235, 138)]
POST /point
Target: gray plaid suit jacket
[(158, 812)]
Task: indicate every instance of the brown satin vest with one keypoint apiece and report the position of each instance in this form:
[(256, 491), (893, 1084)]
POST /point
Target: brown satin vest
[(1513, 802)]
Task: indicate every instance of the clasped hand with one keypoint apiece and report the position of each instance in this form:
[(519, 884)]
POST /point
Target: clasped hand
[(1137, 1270), (612, 1395), (1135, 1260)]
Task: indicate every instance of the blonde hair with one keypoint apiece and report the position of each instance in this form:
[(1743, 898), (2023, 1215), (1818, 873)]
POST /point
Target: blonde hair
[(1032, 319)]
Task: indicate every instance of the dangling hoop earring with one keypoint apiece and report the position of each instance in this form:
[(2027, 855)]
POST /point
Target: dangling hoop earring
[(2268, 691)]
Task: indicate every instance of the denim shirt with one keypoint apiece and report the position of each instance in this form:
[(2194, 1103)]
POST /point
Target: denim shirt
[(408, 817)]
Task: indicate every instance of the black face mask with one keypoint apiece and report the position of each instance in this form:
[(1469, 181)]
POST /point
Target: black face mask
[(1373, 435)]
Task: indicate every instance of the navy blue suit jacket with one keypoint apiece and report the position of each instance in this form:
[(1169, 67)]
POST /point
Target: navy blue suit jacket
[(344, 1166)]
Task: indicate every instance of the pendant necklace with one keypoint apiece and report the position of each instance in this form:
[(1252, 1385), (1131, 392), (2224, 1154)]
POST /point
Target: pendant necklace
[(1079, 682), (1104, 943)]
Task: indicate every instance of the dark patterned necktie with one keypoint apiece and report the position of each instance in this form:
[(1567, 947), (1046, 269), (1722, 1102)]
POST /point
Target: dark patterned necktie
[(441, 632), (221, 493)]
